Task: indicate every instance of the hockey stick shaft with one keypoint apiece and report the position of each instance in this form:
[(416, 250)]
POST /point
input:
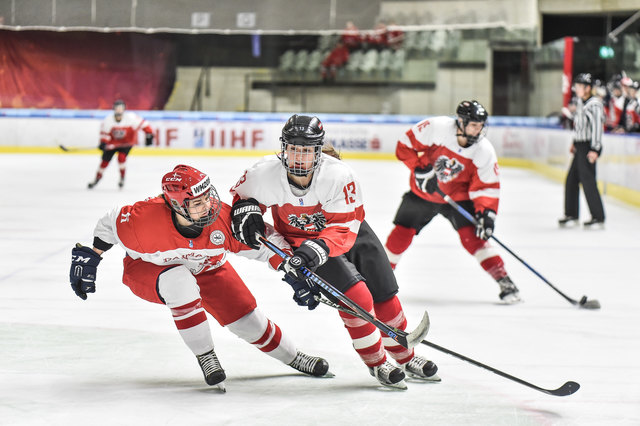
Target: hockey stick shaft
[(566, 389), (76, 148), (407, 340), (471, 219)]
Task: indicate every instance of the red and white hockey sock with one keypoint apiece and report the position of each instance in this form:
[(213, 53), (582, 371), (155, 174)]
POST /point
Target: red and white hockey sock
[(265, 335), (193, 326), (398, 242), (122, 162), (390, 312), (366, 338), (486, 255), (101, 169), (179, 289)]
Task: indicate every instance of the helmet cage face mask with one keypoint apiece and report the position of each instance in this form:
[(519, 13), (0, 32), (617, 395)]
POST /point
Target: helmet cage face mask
[(471, 111), (185, 184), (302, 136), (294, 154)]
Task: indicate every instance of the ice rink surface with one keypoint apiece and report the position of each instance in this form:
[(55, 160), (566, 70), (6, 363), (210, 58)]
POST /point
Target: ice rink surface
[(118, 360)]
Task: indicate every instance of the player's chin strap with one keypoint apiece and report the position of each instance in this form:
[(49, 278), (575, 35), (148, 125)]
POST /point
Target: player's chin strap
[(470, 139), (406, 340)]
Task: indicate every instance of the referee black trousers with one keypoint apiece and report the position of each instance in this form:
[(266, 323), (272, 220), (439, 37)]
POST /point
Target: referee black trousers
[(582, 172)]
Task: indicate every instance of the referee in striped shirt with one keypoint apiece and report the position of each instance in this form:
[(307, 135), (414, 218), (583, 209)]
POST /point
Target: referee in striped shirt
[(588, 124)]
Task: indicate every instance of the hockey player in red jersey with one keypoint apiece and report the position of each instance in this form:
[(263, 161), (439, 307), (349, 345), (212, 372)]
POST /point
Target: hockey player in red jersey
[(176, 248), (454, 155), (119, 133), (316, 203)]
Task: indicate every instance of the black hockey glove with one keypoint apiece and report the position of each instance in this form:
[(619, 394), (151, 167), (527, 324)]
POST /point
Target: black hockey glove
[(246, 222), (486, 222), (84, 262), (304, 292), (148, 141), (310, 254), (102, 146), (426, 179)]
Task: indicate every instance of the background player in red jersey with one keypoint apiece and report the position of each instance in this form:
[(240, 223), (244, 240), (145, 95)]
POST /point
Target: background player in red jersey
[(316, 203), (176, 248), (119, 133), (454, 155)]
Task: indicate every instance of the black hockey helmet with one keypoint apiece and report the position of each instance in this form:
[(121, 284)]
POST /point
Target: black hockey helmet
[(468, 111), (301, 131), (471, 111), (118, 102), (584, 78)]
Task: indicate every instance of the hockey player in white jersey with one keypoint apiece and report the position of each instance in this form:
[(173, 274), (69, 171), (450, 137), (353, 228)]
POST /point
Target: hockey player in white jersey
[(316, 203), (176, 247), (453, 155)]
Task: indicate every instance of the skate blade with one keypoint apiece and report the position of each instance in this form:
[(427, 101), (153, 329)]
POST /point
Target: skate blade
[(400, 386), (417, 378), (511, 300), (570, 224)]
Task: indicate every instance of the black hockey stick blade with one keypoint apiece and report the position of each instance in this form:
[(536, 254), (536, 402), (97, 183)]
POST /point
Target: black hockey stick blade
[(567, 389), (588, 304), (564, 390), (398, 335)]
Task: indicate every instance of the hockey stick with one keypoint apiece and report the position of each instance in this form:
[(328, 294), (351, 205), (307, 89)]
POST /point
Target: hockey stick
[(568, 388), (407, 340), (583, 303), (76, 148)]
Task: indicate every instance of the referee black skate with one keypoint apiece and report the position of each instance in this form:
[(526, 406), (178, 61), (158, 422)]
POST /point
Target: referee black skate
[(588, 124)]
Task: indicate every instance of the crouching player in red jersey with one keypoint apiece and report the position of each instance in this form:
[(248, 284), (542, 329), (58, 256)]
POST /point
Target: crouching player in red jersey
[(316, 203), (176, 248), (453, 155)]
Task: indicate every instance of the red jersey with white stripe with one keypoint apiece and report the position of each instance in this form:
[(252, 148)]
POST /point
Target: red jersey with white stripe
[(123, 133), (330, 208), (146, 231), (463, 173)]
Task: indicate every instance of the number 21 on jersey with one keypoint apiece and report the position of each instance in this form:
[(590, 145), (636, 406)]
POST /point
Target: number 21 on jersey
[(349, 193)]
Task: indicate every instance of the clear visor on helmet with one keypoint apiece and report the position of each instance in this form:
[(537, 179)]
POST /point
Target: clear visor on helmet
[(300, 160)]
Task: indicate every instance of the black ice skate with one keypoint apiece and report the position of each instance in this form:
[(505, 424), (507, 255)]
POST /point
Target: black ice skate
[(90, 185), (121, 183), (594, 224), (421, 368), (567, 221), (389, 376), (213, 372), (509, 293), (311, 365)]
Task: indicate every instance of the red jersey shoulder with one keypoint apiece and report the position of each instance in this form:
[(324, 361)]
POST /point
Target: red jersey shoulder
[(144, 218)]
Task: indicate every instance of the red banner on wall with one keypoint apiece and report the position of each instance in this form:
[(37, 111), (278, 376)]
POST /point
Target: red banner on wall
[(567, 73), (43, 69)]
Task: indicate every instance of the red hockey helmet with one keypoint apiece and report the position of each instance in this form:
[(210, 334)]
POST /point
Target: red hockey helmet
[(186, 183)]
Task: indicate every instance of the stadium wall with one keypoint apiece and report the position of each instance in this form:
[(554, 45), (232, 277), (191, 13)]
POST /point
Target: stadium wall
[(535, 143)]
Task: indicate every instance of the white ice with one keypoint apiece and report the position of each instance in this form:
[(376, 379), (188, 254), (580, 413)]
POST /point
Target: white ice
[(117, 360)]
